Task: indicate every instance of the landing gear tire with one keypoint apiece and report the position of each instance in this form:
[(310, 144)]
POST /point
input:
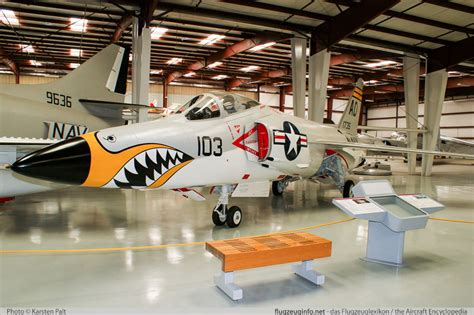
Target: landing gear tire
[(278, 187), (216, 218), (234, 217), (347, 192)]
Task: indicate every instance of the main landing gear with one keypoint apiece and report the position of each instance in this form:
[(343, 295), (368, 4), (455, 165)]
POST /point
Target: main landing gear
[(279, 186), (221, 213)]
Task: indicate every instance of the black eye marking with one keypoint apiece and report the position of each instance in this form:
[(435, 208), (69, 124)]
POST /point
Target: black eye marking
[(110, 138)]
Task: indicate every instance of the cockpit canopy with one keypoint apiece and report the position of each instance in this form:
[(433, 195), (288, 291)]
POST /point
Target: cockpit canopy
[(216, 104)]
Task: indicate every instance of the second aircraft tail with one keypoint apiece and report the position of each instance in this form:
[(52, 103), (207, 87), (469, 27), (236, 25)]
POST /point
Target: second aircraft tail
[(350, 118)]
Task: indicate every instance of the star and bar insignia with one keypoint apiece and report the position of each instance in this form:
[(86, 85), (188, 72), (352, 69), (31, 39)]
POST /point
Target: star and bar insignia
[(291, 139)]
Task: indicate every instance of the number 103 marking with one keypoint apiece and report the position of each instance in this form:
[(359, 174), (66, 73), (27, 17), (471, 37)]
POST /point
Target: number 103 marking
[(208, 146)]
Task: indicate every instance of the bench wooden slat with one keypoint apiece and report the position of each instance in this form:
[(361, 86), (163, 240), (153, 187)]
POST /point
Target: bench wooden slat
[(260, 251)]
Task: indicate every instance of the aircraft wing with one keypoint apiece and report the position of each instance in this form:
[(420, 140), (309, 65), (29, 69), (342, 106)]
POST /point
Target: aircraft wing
[(377, 128), (11, 146), (109, 109), (386, 148), (30, 142)]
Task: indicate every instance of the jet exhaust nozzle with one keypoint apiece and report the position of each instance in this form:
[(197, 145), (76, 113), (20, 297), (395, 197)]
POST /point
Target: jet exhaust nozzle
[(65, 162)]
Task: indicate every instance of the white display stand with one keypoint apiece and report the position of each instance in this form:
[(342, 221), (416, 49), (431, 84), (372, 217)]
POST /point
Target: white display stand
[(389, 216)]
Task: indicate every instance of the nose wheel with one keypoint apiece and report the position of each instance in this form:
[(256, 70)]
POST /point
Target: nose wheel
[(222, 214)]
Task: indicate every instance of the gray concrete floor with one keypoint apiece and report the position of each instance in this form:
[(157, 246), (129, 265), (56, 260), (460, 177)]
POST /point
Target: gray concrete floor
[(439, 271)]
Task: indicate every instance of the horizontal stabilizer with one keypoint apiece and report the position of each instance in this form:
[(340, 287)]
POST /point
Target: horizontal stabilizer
[(108, 109), (385, 148), (111, 104), (374, 128)]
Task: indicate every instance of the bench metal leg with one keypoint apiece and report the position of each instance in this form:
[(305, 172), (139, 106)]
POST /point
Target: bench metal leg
[(305, 270), (225, 282)]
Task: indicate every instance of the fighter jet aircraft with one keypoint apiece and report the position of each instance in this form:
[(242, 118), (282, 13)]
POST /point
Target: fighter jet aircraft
[(35, 115), (220, 140)]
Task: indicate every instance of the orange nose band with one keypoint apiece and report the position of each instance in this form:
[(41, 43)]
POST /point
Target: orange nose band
[(105, 165)]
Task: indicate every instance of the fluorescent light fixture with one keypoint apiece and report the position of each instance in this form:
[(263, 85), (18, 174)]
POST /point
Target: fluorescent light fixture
[(75, 52), (190, 74), (260, 47), (8, 17), (215, 64), (35, 63), (174, 61), (74, 65), (156, 71), (380, 64), (203, 85), (211, 39), (454, 73), (330, 86), (250, 68), (26, 48), (219, 77), (157, 32), (78, 25), (371, 82)]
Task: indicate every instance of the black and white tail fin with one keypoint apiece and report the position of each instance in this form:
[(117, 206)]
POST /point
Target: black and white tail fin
[(350, 119)]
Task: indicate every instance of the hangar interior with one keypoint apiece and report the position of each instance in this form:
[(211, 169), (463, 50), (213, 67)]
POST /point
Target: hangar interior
[(86, 248)]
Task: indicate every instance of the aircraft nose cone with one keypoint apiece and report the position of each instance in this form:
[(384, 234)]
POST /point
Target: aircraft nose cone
[(65, 162)]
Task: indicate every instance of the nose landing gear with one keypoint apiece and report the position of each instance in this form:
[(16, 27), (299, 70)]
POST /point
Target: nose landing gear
[(221, 213)]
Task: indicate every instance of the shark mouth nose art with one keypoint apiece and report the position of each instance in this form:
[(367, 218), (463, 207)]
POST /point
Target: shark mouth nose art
[(150, 169)]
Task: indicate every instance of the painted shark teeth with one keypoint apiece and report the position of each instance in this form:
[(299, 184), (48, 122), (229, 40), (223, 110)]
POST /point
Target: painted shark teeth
[(147, 167)]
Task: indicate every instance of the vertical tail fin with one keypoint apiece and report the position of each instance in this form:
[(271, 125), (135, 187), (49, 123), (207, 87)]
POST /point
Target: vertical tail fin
[(102, 75), (350, 119)]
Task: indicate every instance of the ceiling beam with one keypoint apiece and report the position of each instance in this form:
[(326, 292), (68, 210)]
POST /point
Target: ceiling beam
[(346, 22), (448, 56), (244, 45), (425, 21), (451, 5), (281, 9), (235, 17), (413, 18), (149, 7), (275, 24), (391, 31), (323, 17)]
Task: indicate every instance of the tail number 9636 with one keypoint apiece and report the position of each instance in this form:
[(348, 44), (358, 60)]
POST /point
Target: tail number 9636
[(58, 99), (208, 146)]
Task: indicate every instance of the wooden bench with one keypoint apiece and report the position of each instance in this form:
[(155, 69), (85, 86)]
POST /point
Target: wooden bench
[(260, 251)]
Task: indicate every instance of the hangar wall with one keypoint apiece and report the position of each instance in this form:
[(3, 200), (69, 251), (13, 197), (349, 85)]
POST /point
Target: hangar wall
[(457, 119), (26, 79)]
